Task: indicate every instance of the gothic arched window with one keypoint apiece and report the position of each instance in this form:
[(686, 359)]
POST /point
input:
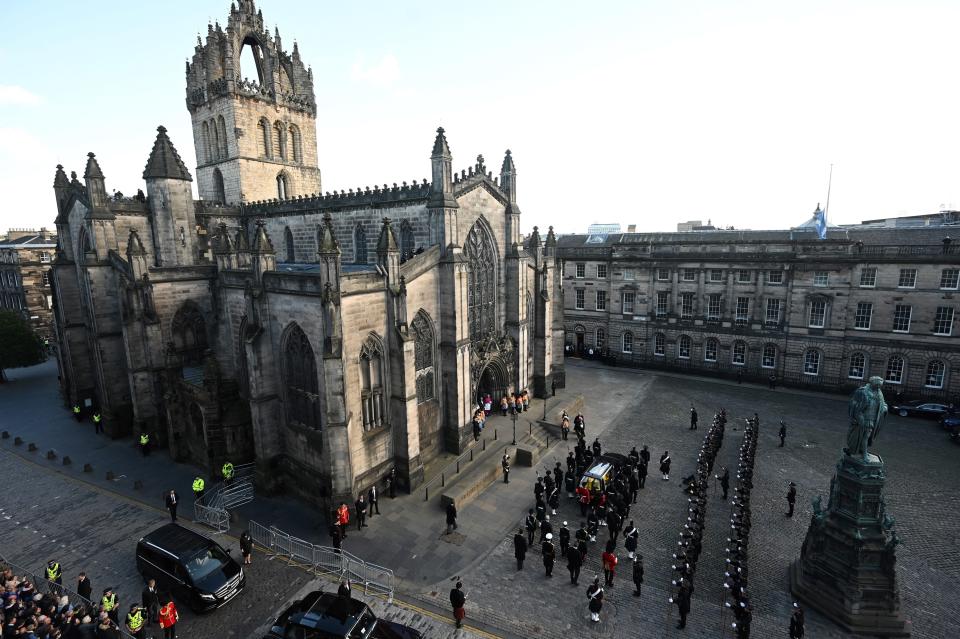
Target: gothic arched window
[(288, 245), (283, 191), (481, 283), (205, 154), (263, 138), (215, 148), (302, 391), (372, 382), (295, 144), (423, 357), (219, 193), (189, 332), (279, 141), (222, 130), (407, 240), (359, 245)]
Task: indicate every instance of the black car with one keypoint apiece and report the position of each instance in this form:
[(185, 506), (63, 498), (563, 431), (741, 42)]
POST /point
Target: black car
[(920, 408), (194, 568), (323, 615), (951, 422)]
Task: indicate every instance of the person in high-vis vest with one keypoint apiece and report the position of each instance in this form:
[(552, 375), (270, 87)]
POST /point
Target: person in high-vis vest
[(97, 423), (54, 573), (168, 619), (76, 412), (145, 444), (198, 485), (227, 471), (110, 605), (136, 619)]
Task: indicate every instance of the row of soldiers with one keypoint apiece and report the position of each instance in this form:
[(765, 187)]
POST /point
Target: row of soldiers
[(691, 536), (736, 572)]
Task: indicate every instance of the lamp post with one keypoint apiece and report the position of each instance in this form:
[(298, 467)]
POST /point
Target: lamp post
[(513, 416)]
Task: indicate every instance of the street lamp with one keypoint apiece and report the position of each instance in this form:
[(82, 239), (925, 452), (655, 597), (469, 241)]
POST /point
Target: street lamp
[(513, 416)]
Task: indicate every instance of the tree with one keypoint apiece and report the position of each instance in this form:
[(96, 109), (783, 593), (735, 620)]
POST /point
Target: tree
[(19, 345)]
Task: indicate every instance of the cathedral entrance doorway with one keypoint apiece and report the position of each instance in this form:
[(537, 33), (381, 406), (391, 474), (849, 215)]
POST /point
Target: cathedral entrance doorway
[(493, 380)]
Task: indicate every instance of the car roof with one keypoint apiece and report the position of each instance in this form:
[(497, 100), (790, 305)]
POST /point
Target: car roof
[(599, 470), (329, 612), (178, 540)]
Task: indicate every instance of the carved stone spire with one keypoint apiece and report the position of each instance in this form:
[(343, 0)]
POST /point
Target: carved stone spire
[(328, 242), (164, 161)]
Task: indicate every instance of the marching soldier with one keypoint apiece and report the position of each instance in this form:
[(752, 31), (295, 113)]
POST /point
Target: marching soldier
[(548, 553), (564, 539), (574, 561), (637, 574)]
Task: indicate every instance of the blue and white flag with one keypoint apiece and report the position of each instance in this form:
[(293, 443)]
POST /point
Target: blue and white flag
[(820, 223)]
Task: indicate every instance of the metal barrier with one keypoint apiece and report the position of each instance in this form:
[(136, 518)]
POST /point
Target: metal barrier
[(44, 587), (323, 560), (216, 518), (213, 508)]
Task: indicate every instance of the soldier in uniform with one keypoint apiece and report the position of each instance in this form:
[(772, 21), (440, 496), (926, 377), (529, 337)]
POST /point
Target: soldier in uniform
[(531, 524), (519, 548), (637, 574), (564, 539), (505, 464), (548, 553), (574, 561)]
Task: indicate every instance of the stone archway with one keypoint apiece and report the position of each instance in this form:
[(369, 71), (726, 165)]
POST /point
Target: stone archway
[(494, 380)]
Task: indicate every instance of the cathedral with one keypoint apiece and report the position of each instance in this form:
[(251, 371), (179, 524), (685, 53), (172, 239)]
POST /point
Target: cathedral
[(329, 337)]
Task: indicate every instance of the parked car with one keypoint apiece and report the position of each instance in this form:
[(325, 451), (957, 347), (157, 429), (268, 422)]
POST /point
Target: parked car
[(194, 568), (324, 615), (920, 408), (951, 422)]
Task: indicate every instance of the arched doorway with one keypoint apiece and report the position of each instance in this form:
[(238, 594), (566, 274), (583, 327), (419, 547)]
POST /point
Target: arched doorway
[(580, 331), (493, 380)]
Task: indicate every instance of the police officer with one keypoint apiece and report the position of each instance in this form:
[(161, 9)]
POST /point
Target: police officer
[(548, 553), (227, 472), (135, 621), (97, 423), (145, 444), (505, 464), (110, 605), (77, 415), (519, 548), (198, 486), (54, 573)]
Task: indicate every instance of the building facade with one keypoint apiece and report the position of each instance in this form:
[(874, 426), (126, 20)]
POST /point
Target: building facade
[(25, 258), (867, 300), (328, 337)]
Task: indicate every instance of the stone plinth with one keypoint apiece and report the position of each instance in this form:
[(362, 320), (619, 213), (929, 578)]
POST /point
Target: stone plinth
[(847, 568)]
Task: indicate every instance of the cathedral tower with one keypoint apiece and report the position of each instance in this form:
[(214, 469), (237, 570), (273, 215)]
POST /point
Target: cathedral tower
[(254, 129)]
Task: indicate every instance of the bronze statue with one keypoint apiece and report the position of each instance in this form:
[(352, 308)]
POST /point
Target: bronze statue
[(867, 408)]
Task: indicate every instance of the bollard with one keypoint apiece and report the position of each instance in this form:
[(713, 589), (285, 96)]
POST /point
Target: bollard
[(66, 460), (51, 454), (110, 475), (87, 468), (426, 494), (17, 441), (484, 448), (494, 434), (442, 480), (471, 454), (31, 447), (4, 435), (458, 466), (137, 484)]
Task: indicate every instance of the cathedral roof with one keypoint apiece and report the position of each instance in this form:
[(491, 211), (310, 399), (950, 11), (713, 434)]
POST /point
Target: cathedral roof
[(164, 161)]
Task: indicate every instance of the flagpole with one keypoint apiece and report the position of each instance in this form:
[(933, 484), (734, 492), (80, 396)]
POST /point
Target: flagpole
[(829, 185)]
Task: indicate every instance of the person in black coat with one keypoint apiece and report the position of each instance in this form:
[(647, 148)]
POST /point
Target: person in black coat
[(637, 574), (574, 561), (150, 597), (596, 448), (84, 587), (564, 539), (373, 500), (336, 536), (531, 525), (519, 548), (457, 600), (665, 465), (682, 599), (451, 517), (642, 471), (796, 622), (693, 418), (548, 553), (782, 433), (172, 500), (725, 482), (791, 498)]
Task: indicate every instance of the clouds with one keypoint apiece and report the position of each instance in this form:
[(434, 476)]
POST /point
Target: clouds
[(14, 95), (381, 74)]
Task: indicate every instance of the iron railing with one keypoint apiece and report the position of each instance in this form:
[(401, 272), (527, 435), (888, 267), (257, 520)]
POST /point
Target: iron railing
[(213, 508), (323, 560)]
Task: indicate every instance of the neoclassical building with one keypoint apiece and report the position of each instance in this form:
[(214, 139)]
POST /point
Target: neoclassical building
[(329, 337), (878, 298)]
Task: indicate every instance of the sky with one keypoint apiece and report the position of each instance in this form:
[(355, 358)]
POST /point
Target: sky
[(630, 112)]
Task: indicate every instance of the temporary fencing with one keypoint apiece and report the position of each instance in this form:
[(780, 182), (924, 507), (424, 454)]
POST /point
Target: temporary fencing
[(324, 560)]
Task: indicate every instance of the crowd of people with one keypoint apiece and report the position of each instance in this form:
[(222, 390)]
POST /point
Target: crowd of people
[(691, 535), (737, 565), (41, 608), (365, 507)]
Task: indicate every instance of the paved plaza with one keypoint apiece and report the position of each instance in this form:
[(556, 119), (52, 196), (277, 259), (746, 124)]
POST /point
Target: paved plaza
[(82, 518)]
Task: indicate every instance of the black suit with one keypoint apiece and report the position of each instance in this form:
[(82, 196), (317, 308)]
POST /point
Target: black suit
[(172, 502), (151, 601), (519, 549)]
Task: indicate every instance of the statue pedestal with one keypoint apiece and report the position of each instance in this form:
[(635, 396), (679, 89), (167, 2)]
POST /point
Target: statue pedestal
[(847, 568)]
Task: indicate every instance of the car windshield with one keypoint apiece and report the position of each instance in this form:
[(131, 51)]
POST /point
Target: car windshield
[(206, 562)]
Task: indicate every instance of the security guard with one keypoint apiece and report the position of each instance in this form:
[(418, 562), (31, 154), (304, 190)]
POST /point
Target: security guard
[(198, 487), (110, 604), (135, 621), (145, 444), (227, 471), (54, 573), (97, 422), (76, 412)]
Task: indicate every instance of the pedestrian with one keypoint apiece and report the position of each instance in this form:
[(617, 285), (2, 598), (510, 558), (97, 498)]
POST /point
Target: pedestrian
[(343, 519), (144, 444), (796, 622), (150, 599), (725, 482), (564, 539), (373, 500), (505, 464), (198, 487), (783, 432), (739, 376), (169, 618), (392, 483), (360, 507), (171, 501), (548, 553), (553, 387), (574, 561), (693, 418), (84, 587), (665, 465), (54, 573), (246, 547), (642, 472), (595, 595), (609, 559), (451, 517), (596, 448), (457, 600), (477, 427), (791, 498), (637, 574), (136, 621), (345, 589), (634, 483), (564, 428), (531, 525), (504, 406), (773, 381), (110, 605), (519, 548), (525, 397), (487, 405), (630, 538), (336, 536)]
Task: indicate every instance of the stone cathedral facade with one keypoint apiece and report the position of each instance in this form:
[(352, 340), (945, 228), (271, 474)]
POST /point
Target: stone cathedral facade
[(329, 337)]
